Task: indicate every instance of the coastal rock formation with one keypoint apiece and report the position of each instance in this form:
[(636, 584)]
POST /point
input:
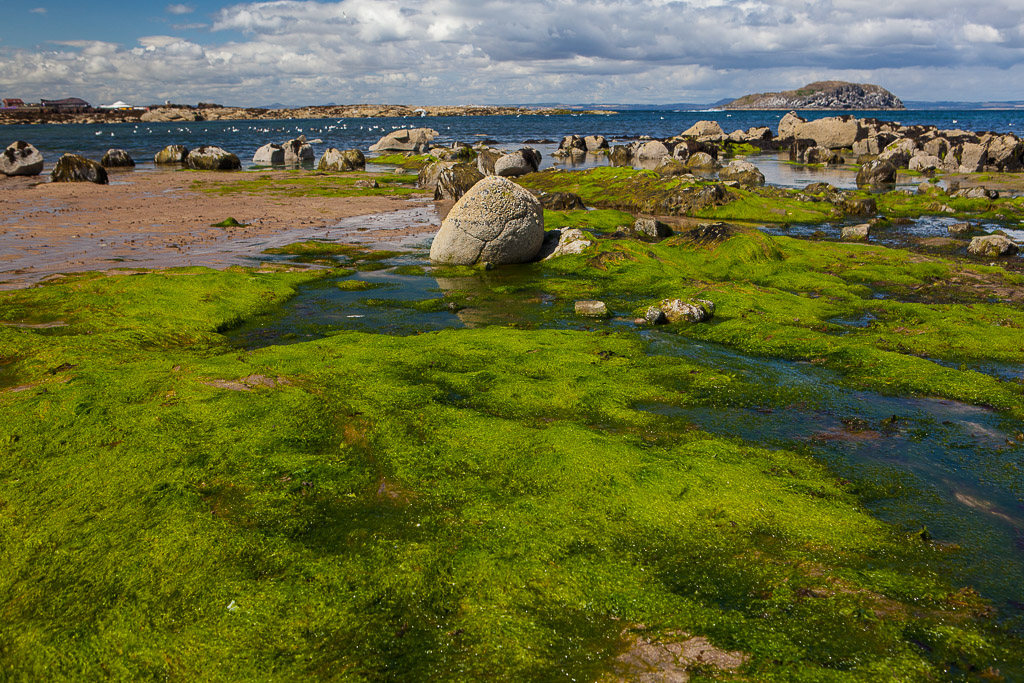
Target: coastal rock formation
[(415, 140), (496, 221), (171, 154), (164, 114), (335, 159), (822, 95), (520, 162), (571, 145), (704, 130), (72, 168), (993, 245), (456, 180), (743, 172), (270, 154), (21, 158), (298, 152), (212, 158), (876, 174), (595, 143), (117, 158), (833, 132)]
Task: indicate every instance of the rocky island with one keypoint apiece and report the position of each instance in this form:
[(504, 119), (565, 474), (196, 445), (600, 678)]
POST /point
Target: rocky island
[(822, 95)]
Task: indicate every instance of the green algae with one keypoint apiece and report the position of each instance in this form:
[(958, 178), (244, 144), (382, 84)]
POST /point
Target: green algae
[(407, 161), (313, 184), (462, 505), (229, 222), (598, 220)]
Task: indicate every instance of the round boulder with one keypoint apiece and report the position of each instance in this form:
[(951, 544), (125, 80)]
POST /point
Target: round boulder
[(72, 168), (520, 162), (171, 154), (270, 154), (338, 160), (21, 158), (496, 221), (117, 158), (212, 158)]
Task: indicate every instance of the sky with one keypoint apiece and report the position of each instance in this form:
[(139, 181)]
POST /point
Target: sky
[(431, 52)]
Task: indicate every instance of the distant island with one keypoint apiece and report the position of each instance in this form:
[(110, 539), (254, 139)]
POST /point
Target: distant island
[(822, 95)]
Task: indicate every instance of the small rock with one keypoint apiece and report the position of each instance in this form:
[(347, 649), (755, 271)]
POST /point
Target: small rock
[(592, 309), (655, 316), (961, 229), (993, 245), (366, 182), (677, 310), (649, 227), (855, 232), (564, 243)]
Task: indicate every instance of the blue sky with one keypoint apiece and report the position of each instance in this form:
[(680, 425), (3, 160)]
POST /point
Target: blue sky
[(504, 51)]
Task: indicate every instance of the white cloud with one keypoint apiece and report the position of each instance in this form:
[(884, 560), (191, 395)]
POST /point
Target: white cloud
[(180, 9), (432, 51), (38, 10)]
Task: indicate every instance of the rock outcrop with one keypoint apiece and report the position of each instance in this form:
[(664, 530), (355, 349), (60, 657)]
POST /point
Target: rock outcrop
[(415, 140), (496, 222), (335, 159), (822, 95), (72, 168), (117, 158), (212, 158), (21, 158)]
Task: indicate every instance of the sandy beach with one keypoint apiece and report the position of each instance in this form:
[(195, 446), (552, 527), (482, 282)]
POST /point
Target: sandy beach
[(156, 219)]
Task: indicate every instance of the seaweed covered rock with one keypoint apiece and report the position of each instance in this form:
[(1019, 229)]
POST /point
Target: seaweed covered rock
[(855, 233), (427, 177), (171, 154), (560, 201), (677, 310), (520, 162), (415, 140), (877, 174), (270, 154), (486, 159), (743, 172), (993, 245), (72, 168), (335, 159), (117, 158), (21, 158), (496, 221), (456, 180), (212, 158)]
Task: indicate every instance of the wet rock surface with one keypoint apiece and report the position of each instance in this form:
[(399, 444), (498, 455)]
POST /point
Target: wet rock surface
[(73, 168)]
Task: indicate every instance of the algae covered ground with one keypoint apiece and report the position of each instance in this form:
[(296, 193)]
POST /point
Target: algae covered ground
[(518, 501)]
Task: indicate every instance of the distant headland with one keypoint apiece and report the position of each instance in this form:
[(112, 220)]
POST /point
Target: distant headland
[(822, 95)]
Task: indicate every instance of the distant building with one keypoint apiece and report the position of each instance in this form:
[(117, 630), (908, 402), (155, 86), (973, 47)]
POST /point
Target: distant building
[(68, 104), (12, 103), (117, 106)]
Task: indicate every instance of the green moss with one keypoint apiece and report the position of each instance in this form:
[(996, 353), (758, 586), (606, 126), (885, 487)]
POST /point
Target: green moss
[(407, 161), (228, 223), (303, 183), (599, 220), (357, 285), (411, 270)]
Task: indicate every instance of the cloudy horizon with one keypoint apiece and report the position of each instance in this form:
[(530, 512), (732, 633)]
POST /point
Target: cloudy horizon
[(298, 52)]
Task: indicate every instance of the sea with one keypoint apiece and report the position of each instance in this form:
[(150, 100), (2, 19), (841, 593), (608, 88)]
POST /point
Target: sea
[(144, 140)]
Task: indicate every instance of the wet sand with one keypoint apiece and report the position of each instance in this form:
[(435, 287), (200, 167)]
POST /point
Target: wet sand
[(158, 219)]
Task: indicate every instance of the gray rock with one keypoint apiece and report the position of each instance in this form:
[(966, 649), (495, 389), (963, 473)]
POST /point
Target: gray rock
[(270, 154), (704, 130), (834, 132), (898, 153), (677, 310), (855, 233), (571, 145), (655, 316), (595, 143), (652, 150), (925, 164), (672, 167), (993, 245), (496, 221), (212, 158), (701, 160), (972, 157), (561, 201), (564, 243), (1006, 152), (743, 172), (649, 227), (520, 162), (592, 309), (298, 152), (975, 193), (72, 168), (117, 158), (936, 147), (456, 180), (820, 155), (789, 126), (486, 160), (415, 140), (366, 182), (876, 174), (171, 154), (620, 156), (428, 175), (21, 158), (334, 159), (961, 230)]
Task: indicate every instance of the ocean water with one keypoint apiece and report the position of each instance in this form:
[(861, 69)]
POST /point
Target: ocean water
[(143, 140)]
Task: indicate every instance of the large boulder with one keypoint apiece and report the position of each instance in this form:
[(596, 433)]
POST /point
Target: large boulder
[(117, 158), (486, 159), (595, 143), (743, 172), (270, 154), (834, 132), (335, 159), (1006, 152), (877, 174), (456, 180), (171, 154), (701, 161), (427, 177), (298, 152), (496, 222), (704, 130), (789, 126), (993, 245), (652, 150), (899, 152), (972, 157), (415, 140), (520, 162), (212, 158), (72, 168), (21, 158)]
